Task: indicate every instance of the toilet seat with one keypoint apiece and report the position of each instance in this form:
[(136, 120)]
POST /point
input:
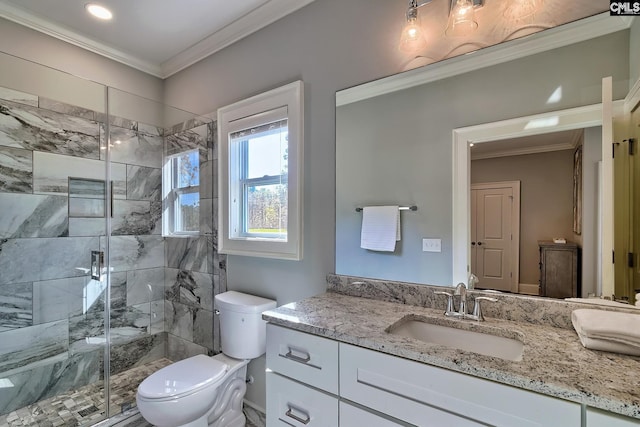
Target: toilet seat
[(183, 378)]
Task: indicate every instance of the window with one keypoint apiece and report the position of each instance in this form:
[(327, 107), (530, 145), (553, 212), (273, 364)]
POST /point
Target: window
[(260, 159), (182, 179)]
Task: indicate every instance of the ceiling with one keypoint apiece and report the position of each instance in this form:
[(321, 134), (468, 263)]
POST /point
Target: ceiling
[(159, 37), (532, 144)]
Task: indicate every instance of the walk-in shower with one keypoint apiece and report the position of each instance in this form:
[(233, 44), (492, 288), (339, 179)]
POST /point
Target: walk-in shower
[(89, 286)]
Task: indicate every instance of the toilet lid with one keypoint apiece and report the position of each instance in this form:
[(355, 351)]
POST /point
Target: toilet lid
[(183, 377)]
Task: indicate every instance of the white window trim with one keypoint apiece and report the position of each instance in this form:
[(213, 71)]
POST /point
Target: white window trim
[(241, 115), (170, 197)]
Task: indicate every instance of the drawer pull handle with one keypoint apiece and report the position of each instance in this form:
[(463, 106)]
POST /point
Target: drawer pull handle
[(305, 359), (301, 420)]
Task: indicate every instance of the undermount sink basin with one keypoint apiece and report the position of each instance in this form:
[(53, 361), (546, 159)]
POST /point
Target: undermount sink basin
[(462, 339)]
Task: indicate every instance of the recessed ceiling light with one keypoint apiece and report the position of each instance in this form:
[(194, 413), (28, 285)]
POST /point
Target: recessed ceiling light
[(98, 11)]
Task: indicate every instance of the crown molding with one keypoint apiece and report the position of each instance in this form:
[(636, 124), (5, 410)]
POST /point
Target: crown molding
[(237, 30), (553, 38), (257, 19), (522, 151), (59, 32)]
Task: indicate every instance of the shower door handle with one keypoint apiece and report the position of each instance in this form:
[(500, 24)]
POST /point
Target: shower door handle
[(97, 262)]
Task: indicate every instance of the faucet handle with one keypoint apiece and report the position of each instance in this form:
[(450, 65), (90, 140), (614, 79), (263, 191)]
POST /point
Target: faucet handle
[(477, 308), (449, 296)]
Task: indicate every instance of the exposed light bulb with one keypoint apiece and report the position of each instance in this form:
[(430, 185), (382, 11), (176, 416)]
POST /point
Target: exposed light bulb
[(412, 39), (462, 20), (98, 11)]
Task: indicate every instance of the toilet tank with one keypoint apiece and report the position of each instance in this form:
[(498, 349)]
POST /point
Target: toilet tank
[(242, 330)]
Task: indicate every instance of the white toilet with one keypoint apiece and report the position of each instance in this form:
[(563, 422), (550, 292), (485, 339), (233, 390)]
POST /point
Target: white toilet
[(208, 391)]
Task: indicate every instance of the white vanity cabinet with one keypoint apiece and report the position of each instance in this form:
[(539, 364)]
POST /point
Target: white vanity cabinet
[(315, 381), (598, 418)]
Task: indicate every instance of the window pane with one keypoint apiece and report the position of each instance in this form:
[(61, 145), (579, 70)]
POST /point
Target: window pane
[(187, 217), (267, 209), (267, 155), (187, 171)]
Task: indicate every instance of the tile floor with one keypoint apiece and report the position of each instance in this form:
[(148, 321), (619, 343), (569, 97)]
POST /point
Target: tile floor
[(85, 406)]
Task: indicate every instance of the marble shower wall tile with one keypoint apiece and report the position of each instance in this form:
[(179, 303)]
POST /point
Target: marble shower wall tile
[(144, 350), (191, 139), (190, 288), (31, 215), (30, 260), (79, 227), (179, 349), (144, 183), (203, 328), (132, 217), (32, 128), (48, 380), (21, 347), (60, 298), (178, 320), (19, 97), (16, 306), (51, 173), (150, 129), (193, 253), (145, 285), (64, 108), (136, 252), (135, 148), (207, 226), (16, 170), (157, 317)]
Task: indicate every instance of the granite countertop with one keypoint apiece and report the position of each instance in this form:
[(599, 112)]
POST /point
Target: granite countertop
[(554, 361)]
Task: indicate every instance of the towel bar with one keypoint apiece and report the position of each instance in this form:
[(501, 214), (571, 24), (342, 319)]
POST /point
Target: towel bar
[(400, 208)]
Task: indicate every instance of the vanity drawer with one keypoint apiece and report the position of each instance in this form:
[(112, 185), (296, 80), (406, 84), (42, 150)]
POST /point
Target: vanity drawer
[(293, 404), (428, 396), (304, 357)]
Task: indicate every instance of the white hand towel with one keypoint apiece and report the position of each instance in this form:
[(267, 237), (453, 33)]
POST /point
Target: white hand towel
[(380, 228), (597, 328)]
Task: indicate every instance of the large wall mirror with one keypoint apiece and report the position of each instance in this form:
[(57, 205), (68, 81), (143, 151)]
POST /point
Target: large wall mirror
[(396, 145)]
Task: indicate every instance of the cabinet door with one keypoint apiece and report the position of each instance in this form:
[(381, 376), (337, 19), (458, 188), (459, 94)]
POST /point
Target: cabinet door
[(597, 418), (290, 403), (351, 416), (428, 396)]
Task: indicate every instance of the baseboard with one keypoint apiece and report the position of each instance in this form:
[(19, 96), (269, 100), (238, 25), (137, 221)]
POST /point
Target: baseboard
[(529, 288)]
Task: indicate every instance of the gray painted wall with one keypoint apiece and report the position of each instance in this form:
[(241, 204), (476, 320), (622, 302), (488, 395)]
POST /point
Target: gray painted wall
[(34, 46)]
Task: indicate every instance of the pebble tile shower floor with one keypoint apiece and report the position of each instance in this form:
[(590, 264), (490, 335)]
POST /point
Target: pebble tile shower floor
[(85, 406)]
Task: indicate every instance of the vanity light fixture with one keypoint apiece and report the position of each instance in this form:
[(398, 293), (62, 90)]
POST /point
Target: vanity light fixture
[(462, 18), (412, 39), (98, 11), (461, 22)]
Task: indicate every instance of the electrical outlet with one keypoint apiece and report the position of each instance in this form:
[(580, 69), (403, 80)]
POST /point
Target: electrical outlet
[(431, 245)]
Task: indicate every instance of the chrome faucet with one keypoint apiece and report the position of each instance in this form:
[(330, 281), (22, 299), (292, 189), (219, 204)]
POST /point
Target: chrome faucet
[(461, 290), (462, 312)]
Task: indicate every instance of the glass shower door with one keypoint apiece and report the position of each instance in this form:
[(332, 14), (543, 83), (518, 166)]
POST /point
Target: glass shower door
[(53, 202)]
